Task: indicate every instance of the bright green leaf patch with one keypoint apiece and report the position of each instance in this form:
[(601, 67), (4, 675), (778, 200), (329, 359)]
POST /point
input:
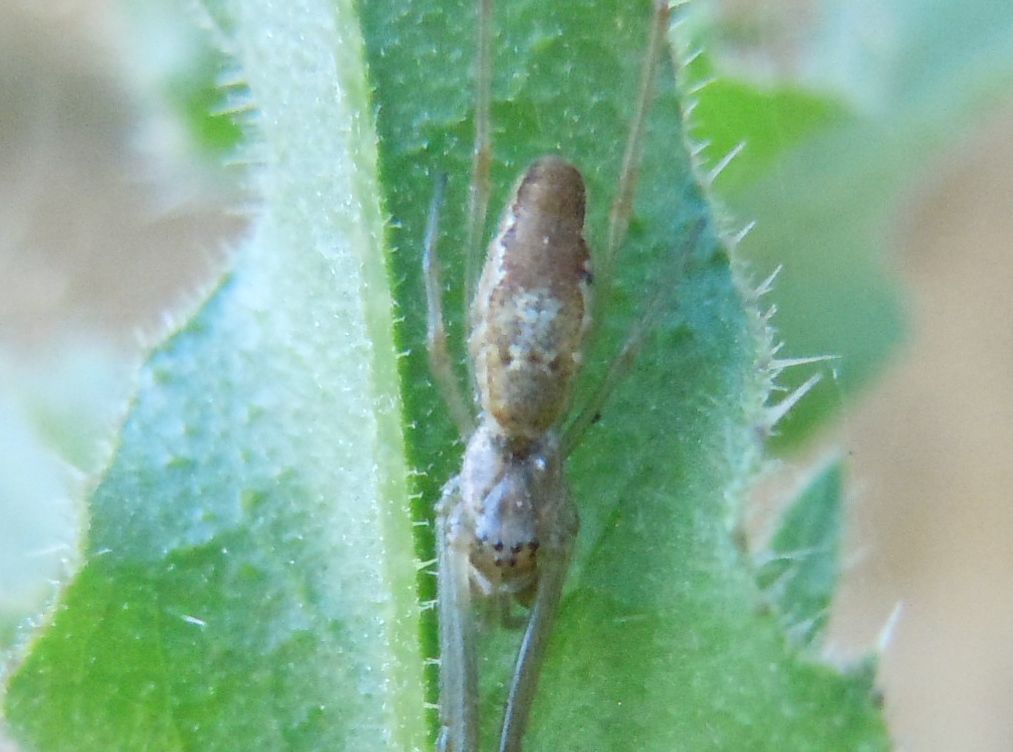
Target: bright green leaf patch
[(251, 579), (764, 123), (199, 103), (798, 570)]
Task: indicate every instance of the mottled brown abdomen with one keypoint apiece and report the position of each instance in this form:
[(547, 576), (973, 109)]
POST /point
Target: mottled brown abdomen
[(532, 308)]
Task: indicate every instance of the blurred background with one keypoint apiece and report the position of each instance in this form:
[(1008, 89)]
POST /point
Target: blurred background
[(879, 168)]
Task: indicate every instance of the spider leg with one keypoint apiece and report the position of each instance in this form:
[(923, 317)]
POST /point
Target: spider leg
[(622, 205), (553, 564), (440, 363), (478, 204), (623, 362), (458, 664), (619, 220)]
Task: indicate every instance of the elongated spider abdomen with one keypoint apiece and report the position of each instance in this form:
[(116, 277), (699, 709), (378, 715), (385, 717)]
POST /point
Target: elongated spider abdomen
[(532, 308)]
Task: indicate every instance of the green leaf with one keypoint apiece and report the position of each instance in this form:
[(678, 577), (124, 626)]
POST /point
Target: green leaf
[(250, 580), (52, 408), (799, 570), (249, 568), (661, 638), (897, 105), (179, 69), (756, 124)]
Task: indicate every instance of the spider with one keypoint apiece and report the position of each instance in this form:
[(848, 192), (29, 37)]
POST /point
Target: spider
[(506, 523)]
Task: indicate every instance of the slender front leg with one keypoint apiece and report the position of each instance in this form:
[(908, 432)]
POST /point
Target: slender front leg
[(440, 363), (458, 665), (622, 205), (552, 569), (478, 200)]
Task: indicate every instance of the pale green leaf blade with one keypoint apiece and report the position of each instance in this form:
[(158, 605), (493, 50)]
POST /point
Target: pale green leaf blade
[(249, 573)]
